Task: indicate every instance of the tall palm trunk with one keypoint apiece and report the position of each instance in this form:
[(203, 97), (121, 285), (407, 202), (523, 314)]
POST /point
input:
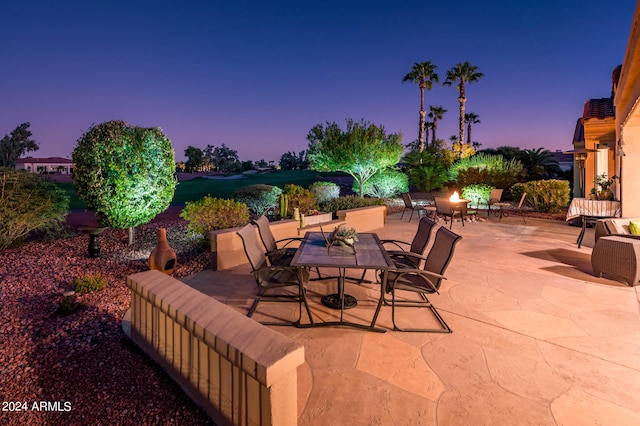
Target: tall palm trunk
[(433, 131), (462, 101), (469, 133), (423, 113)]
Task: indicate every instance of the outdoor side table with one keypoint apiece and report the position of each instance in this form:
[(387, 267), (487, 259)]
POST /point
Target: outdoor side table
[(618, 257), (590, 210)]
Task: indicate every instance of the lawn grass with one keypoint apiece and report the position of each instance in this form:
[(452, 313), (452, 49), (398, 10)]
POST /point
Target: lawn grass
[(195, 189)]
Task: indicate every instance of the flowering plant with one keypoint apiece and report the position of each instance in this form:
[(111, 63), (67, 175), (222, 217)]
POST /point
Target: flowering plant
[(603, 182)]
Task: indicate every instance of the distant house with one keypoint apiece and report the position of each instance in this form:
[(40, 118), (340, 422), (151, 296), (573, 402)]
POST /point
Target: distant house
[(50, 165)]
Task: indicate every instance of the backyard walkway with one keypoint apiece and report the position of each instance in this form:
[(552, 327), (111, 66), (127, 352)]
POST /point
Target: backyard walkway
[(537, 339)]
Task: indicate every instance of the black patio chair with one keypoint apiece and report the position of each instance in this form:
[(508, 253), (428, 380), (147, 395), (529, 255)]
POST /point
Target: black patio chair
[(415, 253), (273, 277), (277, 256), (409, 204), (448, 209), (424, 281)]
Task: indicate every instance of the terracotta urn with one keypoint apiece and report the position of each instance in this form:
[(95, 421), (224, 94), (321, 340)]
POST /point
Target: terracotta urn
[(163, 258)]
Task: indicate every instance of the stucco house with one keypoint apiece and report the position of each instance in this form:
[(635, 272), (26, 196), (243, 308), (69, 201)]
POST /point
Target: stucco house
[(607, 136), (57, 165)]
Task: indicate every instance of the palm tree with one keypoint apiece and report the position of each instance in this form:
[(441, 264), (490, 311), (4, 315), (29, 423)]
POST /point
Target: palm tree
[(427, 125), (539, 163), (462, 74), (424, 75), (470, 118), (436, 113)]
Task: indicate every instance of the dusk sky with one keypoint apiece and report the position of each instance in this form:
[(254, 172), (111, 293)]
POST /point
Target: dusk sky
[(257, 75)]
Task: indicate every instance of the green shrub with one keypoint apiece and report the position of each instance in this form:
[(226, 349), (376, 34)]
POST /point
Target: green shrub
[(349, 202), (478, 193), (209, 214), (126, 174), (543, 195), (68, 306), (28, 202), (325, 191), (260, 199), (385, 183), (300, 198), (488, 169), (89, 283), (427, 178)]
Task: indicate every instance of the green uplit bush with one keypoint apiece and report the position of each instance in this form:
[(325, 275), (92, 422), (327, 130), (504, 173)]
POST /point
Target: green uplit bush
[(427, 178), (210, 214), (491, 170), (477, 193), (349, 202), (385, 183), (89, 283), (28, 202), (260, 199), (325, 191), (300, 198), (543, 195), (125, 174)]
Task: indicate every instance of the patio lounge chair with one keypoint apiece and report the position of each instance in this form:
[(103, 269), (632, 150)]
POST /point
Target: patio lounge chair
[(270, 277), (423, 281), (519, 209), (409, 204), (494, 203)]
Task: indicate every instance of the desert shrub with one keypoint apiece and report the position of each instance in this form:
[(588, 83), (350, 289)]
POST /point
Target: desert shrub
[(477, 193), (209, 214), (125, 173), (325, 191), (260, 199), (89, 283), (543, 195), (385, 183), (68, 306), (300, 198), (28, 202), (349, 202), (488, 169)]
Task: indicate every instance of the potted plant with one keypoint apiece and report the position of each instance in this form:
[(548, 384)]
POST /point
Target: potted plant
[(605, 183), (594, 194)]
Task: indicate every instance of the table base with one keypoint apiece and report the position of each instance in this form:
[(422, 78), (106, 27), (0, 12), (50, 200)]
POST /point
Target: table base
[(333, 301)]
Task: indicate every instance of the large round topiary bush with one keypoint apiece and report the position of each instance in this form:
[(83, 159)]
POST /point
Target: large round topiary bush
[(126, 174)]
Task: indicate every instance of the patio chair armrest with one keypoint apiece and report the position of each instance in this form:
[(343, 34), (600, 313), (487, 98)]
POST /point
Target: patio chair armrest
[(396, 243), (409, 254), (416, 271), (278, 251), (290, 240)]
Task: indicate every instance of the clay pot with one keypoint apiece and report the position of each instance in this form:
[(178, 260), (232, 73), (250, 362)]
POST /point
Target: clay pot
[(163, 258)]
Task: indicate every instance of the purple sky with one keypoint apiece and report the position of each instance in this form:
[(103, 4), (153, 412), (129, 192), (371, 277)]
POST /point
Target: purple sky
[(257, 75)]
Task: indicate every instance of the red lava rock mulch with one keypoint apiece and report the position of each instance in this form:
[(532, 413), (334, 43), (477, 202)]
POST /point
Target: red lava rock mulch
[(83, 365)]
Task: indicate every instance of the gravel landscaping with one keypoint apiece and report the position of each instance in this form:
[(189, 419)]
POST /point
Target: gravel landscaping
[(82, 364)]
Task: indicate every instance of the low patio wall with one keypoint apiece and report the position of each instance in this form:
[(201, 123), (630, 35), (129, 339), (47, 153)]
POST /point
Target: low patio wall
[(364, 219), (238, 370), (226, 246)]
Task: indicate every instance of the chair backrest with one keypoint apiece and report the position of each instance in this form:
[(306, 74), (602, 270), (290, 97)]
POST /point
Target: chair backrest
[(252, 247), (496, 195), (407, 200), (443, 205), (266, 235), (524, 195), (441, 252), (423, 234)]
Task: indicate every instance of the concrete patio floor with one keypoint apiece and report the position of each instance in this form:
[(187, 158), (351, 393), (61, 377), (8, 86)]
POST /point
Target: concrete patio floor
[(537, 339)]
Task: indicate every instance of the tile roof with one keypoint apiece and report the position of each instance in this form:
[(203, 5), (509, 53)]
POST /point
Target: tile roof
[(578, 134), (598, 108), (48, 160)]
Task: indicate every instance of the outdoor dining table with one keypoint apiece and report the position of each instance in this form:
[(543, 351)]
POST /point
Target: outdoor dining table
[(367, 253), (592, 209)]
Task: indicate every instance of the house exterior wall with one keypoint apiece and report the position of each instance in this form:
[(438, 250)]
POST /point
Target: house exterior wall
[(627, 123)]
